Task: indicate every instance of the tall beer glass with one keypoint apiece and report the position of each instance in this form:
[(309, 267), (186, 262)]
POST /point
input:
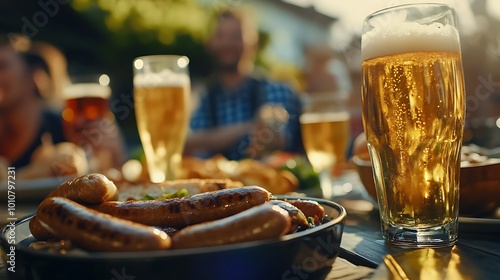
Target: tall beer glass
[(413, 115), (87, 102), (161, 97), (325, 133)]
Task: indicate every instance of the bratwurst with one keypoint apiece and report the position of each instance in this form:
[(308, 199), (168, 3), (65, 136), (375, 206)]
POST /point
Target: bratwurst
[(258, 223), (38, 231), (298, 218), (95, 231), (310, 208), (181, 212), (89, 189)]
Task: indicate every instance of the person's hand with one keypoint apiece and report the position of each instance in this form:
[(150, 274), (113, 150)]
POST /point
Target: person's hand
[(268, 130), (101, 139)]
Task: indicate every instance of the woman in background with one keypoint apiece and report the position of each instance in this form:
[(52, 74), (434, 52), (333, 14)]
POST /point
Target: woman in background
[(27, 125), (23, 117)]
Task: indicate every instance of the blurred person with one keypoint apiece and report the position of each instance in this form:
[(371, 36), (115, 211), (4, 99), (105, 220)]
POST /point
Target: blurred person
[(317, 75), (24, 116), (49, 77), (89, 122), (240, 115), (325, 73), (289, 74), (328, 74), (51, 84)]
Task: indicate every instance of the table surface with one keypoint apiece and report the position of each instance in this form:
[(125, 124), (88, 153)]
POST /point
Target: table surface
[(477, 252)]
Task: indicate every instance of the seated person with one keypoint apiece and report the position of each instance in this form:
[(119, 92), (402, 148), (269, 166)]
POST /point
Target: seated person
[(240, 115), (23, 117), (26, 124)]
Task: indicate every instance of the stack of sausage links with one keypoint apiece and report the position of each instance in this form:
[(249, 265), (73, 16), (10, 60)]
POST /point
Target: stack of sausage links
[(84, 210)]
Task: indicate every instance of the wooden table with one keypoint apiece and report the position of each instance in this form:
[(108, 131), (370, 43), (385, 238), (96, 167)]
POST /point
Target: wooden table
[(476, 255)]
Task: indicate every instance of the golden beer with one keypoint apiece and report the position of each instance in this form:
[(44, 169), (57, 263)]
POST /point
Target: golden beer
[(413, 114), (162, 120), (413, 106), (85, 102), (325, 137), (161, 96)]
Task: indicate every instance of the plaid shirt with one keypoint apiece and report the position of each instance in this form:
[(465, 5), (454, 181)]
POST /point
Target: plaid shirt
[(235, 107)]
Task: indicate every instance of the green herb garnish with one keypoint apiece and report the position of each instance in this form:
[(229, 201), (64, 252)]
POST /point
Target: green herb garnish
[(177, 194), (148, 197)]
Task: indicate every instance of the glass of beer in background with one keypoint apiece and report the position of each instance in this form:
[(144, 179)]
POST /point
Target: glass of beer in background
[(413, 115), (325, 133), (161, 97), (86, 100)]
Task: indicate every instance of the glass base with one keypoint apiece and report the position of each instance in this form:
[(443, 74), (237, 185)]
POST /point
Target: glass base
[(334, 187), (429, 237)]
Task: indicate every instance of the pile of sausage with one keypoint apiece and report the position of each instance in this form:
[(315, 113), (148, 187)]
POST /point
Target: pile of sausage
[(84, 210)]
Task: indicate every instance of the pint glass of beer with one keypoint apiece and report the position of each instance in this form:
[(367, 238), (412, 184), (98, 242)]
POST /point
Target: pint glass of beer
[(161, 98), (413, 115), (325, 125), (87, 99)]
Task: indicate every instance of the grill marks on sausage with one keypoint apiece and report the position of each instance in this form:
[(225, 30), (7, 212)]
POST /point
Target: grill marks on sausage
[(59, 212), (180, 212), (260, 222), (96, 231), (241, 196), (81, 225), (174, 207)]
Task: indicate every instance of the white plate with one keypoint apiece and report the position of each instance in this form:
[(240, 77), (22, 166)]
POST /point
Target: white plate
[(34, 189)]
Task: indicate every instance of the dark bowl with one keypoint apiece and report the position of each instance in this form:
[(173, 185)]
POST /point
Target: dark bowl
[(479, 185), (309, 254)]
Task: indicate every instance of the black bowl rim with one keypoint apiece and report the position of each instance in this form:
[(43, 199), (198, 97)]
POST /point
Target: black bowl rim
[(182, 252)]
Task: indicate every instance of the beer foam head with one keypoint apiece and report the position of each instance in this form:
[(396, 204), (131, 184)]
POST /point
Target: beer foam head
[(163, 78), (86, 90), (409, 37), (324, 117)]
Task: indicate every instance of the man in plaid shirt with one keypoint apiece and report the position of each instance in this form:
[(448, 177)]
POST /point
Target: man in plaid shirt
[(240, 115)]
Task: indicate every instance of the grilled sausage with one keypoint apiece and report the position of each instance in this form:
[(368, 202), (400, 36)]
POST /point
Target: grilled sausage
[(180, 212), (38, 231), (260, 222), (92, 189), (170, 231), (95, 231), (298, 218), (310, 208)]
